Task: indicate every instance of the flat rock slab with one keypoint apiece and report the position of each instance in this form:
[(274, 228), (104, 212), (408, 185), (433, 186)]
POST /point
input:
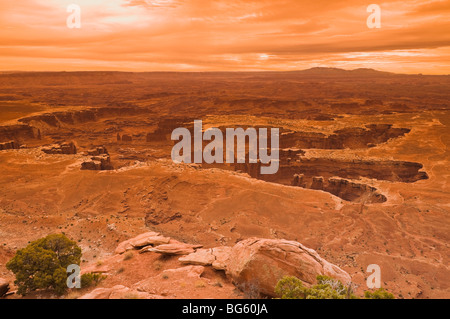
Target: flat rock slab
[(143, 240), (172, 249), (216, 257)]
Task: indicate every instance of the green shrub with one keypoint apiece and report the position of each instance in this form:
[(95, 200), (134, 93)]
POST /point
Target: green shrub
[(291, 287), (326, 288), (91, 279), (378, 294), (43, 263)]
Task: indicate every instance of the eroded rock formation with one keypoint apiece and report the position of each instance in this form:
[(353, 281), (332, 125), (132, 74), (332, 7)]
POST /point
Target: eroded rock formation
[(255, 260), (18, 133), (99, 161), (146, 239), (65, 148), (9, 146)]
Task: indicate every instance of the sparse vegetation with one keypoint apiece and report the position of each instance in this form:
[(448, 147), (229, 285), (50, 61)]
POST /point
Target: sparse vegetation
[(91, 279), (251, 290), (43, 263), (131, 296), (291, 287), (378, 294), (218, 284)]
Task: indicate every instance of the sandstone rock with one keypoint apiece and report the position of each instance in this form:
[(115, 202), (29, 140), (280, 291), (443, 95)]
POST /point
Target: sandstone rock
[(4, 287), (146, 239), (63, 148), (185, 272), (99, 293), (317, 183), (119, 292), (298, 180), (202, 257), (150, 240), (216, 257), (116, 292), (91, 165), (97, 163), (126, 138), (266, 261), (100, 150), (9, 146), (172, 249)]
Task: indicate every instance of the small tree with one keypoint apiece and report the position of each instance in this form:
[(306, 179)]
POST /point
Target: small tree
[(290, 287), (43, 263)]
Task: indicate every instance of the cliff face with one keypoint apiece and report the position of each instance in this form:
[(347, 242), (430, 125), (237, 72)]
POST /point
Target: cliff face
[(351, 138), (11, 145), (18, 133), (51, 120)]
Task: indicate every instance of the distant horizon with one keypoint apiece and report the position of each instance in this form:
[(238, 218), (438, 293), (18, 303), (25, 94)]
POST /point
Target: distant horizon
[(218, 71)]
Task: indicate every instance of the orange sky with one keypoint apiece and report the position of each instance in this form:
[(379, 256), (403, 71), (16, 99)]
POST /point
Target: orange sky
[(204, 35)]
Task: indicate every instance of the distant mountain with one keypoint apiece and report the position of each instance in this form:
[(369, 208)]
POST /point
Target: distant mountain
[(342, 72)]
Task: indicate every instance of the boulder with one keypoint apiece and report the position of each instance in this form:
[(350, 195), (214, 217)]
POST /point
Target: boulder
[(4, 287), (265, 261)]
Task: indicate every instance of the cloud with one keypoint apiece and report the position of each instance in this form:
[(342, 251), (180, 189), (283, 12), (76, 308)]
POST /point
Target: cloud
[(224, 35)]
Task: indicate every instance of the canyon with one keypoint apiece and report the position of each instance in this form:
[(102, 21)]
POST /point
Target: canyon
[(363, 171)]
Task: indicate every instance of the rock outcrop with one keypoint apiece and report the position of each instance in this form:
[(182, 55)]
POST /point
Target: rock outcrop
[(118, 292), (265, 261), (185, 272), (262, 262), (127, 138), (216, 257), (99, 161), (9, 146), (100, 150), (18, 133), (143, 240), (174, 248), (65, 148)]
